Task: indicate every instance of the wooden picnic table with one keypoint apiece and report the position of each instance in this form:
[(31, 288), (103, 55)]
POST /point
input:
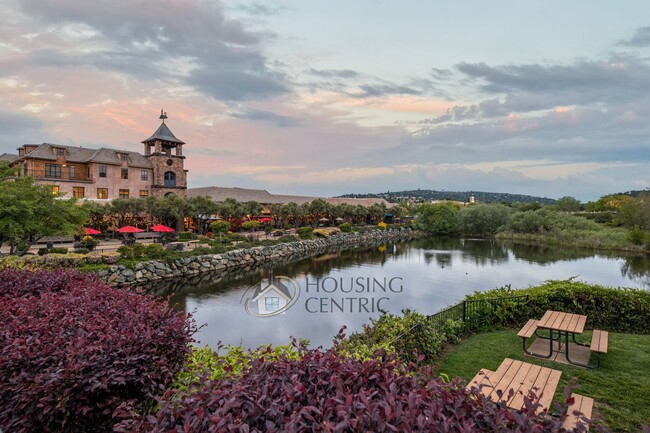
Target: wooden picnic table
[(522, 378), (560, 325)]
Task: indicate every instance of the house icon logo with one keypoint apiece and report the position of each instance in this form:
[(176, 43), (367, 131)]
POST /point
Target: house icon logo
[(271, 296)]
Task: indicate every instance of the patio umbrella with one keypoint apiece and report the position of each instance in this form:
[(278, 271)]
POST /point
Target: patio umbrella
[(90, 231), (265, 220), (162, 229), (129, 229), (339, 219), (323, 219)]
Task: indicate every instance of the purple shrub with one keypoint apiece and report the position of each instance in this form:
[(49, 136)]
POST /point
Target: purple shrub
[(327, 392), (74, 349)]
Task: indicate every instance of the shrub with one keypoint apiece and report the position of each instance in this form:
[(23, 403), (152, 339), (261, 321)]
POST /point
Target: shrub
[(184, 236), (154, 251), (326, 391), (346, 227), (57, 250), (382, 225), (74, 349), (410, 335), (305, 232), (81, 250), (636, 236), (250, 225)]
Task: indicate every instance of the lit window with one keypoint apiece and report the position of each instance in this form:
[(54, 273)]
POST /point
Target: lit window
[(124, 193), (102, 171), (78, 191), (55, 189), (144, 193), (102, 193), (144, 175), (53, 170), (272, 303), (125, 173)]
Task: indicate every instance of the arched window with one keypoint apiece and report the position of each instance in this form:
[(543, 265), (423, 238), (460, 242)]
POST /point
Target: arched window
[(170, 178)]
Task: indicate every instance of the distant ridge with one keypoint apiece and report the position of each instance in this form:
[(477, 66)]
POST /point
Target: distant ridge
[(479, 196)]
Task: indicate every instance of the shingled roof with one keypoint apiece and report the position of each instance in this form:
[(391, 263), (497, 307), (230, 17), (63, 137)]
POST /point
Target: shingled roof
[(165, 134), (11, 157), (242, 195), (86, 155)]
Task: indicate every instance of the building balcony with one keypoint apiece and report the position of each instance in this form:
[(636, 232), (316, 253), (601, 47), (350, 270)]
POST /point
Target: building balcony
[(62, 175)]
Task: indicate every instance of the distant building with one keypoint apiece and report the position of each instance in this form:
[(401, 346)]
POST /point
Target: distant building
[(106, 174)]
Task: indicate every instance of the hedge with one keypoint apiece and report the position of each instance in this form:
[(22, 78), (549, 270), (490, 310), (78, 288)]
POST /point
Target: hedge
[(325, 391)]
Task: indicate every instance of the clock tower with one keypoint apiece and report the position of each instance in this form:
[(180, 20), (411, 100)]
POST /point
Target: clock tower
[(165, 152)]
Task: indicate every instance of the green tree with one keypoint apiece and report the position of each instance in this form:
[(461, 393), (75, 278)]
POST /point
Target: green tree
[(568, 204), (252, 208), (251, 225), (482, 219), (29, 211), (220, 226), (201, 208), (438, 219)]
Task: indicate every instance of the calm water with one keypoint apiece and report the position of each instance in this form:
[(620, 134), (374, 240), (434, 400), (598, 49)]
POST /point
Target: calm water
[(424, 275)]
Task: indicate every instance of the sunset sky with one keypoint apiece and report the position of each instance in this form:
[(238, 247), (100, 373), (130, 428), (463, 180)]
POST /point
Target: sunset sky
[(548, 98)]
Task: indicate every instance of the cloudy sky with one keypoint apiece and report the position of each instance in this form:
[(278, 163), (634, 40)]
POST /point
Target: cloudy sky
[(548, 98)]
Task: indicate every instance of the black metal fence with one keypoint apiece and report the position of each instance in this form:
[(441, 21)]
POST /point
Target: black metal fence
[(472, 312)]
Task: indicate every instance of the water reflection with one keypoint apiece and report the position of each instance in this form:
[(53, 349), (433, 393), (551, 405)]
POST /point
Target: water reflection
[(432, 273)]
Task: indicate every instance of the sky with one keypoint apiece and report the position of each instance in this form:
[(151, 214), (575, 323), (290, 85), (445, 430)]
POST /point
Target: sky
[(547, 98)]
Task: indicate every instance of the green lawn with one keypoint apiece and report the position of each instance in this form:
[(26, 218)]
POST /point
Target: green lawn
[(620, 387)]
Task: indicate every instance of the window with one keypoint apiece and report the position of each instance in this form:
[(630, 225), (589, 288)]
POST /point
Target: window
[(144, 193), (102, 193), (60, 152), (72, 172), (170, 178), (53, 170), (78, 191), (124, 193), (55, 189), (102, 171), (125, 173), (272, 303), (124, 157), (144, 175)]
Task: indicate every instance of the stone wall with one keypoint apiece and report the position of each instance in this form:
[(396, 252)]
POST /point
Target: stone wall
[(246, 260)]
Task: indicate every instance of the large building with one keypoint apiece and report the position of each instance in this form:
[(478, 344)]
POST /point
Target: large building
[(105, 174)]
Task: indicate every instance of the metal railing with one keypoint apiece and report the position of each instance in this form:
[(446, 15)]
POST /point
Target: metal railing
[(62, 174)]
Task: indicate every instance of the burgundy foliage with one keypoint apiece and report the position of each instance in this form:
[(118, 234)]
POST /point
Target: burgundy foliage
[(74, 349), (327, 392)]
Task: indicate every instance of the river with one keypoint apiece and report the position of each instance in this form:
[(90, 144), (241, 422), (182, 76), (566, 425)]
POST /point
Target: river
[(324, 293)]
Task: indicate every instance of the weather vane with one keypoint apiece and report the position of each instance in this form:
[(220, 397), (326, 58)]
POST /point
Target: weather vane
[(163, 115)]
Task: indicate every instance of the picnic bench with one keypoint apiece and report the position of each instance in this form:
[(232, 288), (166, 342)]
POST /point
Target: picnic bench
[(560, 325), (523, 379)]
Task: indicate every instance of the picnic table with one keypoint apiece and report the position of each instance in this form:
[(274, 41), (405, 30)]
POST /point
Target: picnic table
[(522, 378), (514, 380), (560, 326)]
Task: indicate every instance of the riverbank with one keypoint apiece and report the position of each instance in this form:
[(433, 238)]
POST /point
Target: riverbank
[(246, 260), (589, 241)]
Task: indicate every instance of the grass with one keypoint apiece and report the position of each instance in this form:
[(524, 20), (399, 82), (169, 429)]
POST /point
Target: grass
[(620, 387)]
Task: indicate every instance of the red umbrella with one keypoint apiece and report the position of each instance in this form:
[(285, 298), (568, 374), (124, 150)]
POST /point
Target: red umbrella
[(129, 229), (265, 220), (90, 231), (161, 228)]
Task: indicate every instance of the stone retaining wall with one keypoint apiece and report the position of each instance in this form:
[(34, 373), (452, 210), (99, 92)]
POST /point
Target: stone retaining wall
[(246, 260)]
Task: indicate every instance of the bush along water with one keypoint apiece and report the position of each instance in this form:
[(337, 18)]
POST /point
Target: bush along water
[(74, 350)]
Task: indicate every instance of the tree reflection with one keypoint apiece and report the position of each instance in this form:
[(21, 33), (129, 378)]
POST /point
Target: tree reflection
[(637, 268)]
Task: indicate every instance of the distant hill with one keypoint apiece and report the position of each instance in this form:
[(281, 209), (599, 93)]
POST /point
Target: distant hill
[(480, 196), (634, 193)]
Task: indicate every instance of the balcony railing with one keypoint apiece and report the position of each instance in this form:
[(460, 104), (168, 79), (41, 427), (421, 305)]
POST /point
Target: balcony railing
[(63, 174)]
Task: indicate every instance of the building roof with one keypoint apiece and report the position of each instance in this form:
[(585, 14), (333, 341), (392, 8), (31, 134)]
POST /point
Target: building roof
[(262, 196), (86, 155), (165, 134), (11, 157), (243, 195)]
